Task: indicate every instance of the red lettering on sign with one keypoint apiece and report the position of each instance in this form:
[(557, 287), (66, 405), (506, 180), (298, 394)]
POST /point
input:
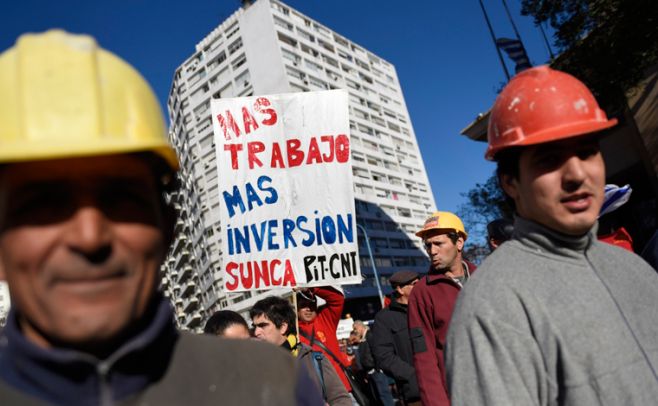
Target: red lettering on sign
[(313, 153), (289, 275), (295, 156), (260, 275), (227, 124), (233, 283), (277, 157), (275, 263), (249, 121), (234, 148), (342, 148), (255, 148), (259, 105), (326, 149), (231, 128), (329, 140)]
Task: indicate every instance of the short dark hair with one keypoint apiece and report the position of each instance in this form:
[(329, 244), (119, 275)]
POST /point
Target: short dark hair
[(500, 229), (454, 236), (221, 320), (507, 162), (276, 309)]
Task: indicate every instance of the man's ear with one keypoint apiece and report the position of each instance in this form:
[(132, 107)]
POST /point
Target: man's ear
[(493, 243), (283, 328), (509, 184), (460, 244)]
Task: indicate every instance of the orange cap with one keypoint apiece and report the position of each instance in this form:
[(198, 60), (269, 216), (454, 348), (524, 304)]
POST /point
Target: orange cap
[(542, 105)]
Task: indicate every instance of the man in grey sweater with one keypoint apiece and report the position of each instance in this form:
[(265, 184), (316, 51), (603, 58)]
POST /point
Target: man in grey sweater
[(554, 317)]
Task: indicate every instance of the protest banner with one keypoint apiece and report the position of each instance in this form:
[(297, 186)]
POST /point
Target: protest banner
[(286, 191)]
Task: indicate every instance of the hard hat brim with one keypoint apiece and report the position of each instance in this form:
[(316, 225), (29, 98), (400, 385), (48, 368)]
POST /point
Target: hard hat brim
[(554, 134), (438, 231)]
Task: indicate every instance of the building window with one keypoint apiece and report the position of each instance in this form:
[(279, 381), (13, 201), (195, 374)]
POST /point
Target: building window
[(237, 44)]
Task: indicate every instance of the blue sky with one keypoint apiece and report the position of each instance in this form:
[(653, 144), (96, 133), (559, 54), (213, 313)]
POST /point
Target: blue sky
[(442, 50)]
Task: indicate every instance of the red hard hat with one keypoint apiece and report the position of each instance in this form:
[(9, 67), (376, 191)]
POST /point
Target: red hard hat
[(542, 105)]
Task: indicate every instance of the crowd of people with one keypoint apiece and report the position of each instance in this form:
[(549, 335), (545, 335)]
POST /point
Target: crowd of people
[(552, 317)]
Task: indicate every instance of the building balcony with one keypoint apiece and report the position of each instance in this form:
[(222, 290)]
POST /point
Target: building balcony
[(191, 304), (182, 258), (188, 289), (164, 283), (179, 224), (184, 274), (194, 320)]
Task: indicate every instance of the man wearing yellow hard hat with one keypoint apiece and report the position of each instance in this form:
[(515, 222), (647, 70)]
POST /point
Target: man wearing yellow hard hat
[(432, 300), (554, 316), (84, 227)]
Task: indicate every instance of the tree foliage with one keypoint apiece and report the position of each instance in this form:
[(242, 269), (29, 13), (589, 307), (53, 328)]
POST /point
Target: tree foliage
[(609, 44), (485, 202)]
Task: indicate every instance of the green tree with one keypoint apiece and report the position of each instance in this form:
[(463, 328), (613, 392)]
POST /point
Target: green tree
[(484, 203), (609, 44)]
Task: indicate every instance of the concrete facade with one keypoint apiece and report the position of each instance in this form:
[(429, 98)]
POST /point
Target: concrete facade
[(269, 48)]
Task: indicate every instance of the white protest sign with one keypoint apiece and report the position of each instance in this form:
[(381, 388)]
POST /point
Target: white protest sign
[(344, 328), (285, 185)]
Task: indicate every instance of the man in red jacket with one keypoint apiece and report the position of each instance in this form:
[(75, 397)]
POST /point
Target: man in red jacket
[(317, 326), (432, 300)]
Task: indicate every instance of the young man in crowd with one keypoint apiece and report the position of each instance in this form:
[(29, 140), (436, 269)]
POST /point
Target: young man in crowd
[(499, 231), (554, 316), (274, 321), (227, 324), (84, 228)]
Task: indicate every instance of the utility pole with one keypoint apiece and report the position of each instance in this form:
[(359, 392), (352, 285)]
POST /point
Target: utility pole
[(374, 267)]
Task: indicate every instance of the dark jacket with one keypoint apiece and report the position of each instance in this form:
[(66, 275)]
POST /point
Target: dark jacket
[(366, 360), (157, 366), (430, 309), (391, 348)]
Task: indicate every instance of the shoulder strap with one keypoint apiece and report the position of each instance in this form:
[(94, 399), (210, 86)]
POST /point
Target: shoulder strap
[(317, 363), (324, 347)]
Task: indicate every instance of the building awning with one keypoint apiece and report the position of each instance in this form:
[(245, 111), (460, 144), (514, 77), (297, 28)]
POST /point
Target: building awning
[(477, 130)]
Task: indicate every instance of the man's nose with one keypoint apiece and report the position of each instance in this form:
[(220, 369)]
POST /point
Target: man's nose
[(573, 173), (89, 233)]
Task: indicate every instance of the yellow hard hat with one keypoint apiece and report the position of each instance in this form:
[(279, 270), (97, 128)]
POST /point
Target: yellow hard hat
[(443, 221), (62, 96)]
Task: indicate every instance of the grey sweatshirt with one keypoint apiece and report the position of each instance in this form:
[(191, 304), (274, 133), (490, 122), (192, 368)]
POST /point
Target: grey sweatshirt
[(556, 320)]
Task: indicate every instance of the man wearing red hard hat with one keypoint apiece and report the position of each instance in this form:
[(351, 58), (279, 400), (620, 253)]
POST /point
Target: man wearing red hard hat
[(554, 317)]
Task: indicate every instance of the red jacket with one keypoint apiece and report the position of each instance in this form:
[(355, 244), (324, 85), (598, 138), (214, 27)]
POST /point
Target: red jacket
[(430, 309), (325, 326)]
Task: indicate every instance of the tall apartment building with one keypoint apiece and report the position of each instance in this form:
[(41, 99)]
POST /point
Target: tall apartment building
[(269, 48)]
